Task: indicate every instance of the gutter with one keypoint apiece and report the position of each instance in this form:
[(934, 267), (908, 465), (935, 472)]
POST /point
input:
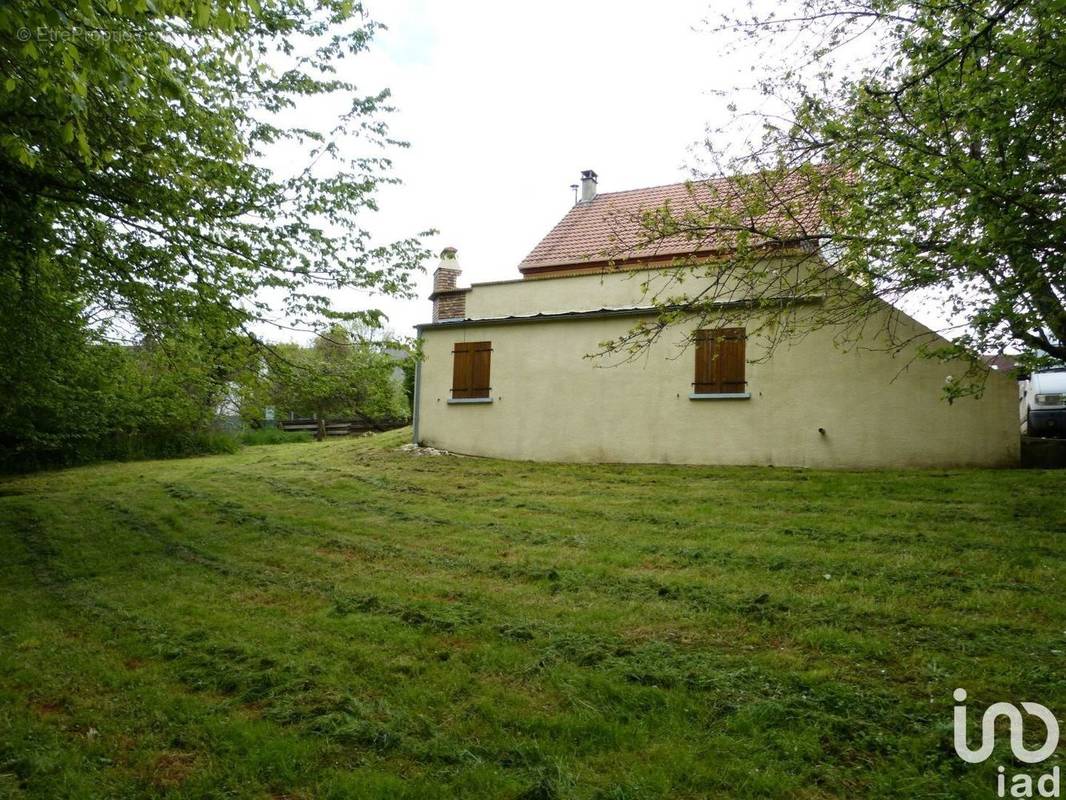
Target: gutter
[(606, 313), (415, 401)]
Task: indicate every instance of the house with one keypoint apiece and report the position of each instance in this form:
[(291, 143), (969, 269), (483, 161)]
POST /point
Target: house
[(509, 369)]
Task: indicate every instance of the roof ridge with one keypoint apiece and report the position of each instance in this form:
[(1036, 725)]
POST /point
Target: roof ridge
[(660, 186), (715, 179)]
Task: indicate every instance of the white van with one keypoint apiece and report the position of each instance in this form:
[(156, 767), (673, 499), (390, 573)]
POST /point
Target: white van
[(1045, 403)]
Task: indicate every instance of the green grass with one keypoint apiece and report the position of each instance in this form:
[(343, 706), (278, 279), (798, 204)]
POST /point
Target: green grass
[(343, 620)]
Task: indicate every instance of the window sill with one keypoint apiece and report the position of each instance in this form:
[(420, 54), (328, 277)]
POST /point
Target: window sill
[(721, 396), (465, 401)]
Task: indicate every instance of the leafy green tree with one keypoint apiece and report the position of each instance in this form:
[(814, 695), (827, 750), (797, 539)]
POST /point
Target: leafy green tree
[(133, 141), (409, 366), (80, 398), (340, 375), (937, 171), (181, 382), (56, 391)]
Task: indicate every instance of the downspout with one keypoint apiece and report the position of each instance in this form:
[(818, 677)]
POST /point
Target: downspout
[(415, 401)]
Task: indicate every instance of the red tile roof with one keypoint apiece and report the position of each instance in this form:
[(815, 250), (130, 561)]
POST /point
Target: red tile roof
[(609, 227)]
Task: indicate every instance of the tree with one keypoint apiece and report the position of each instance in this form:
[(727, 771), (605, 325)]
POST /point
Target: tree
[(133, 138), (937, 172), (80, 399), (55, 389), (339, 375)]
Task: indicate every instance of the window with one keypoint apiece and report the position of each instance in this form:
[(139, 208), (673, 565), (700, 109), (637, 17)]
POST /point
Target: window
[(720, 362), (470, 370)]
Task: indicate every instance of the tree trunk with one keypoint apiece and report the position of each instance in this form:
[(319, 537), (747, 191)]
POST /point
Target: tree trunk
[(320, 435)]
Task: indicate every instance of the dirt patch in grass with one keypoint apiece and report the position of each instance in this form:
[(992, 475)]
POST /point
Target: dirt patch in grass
[(172, 768), (49, 708)]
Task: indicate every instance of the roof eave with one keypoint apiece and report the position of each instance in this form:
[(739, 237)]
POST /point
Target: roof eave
[(601, 313)]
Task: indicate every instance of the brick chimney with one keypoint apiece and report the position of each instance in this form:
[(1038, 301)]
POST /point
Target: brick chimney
[(588, 186), (449, 301)]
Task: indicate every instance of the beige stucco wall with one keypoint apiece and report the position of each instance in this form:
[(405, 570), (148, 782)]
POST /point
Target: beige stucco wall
[(551, 403), (623, 289)]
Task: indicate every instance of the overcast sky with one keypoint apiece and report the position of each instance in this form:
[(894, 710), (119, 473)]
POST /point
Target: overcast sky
[(505, 103)]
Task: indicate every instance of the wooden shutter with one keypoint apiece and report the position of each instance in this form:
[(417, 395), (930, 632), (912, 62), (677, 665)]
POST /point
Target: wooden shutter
[(462, 370), (706, 382), (720, 361), (471, 369), (730, 346), (481, 361)]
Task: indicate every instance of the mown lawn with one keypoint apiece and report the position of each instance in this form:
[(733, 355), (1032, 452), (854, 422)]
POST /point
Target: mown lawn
[(345, 620)]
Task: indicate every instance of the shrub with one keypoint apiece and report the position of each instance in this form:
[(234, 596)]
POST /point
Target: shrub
[(166, 444), (261, 436)]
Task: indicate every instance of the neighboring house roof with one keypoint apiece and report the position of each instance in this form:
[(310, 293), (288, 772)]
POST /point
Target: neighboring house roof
[(1001, 362), (608, 228)]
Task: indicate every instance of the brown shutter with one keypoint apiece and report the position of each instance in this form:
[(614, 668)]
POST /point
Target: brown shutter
[(481, 361), (730, 347), (719, 361), (706, 382), (470, 369), (462, 370)]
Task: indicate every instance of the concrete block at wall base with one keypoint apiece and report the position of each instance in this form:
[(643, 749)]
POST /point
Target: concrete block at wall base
[(1043, 453)]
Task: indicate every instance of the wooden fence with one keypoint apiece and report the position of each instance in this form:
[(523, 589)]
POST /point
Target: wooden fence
[(339, 427)]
